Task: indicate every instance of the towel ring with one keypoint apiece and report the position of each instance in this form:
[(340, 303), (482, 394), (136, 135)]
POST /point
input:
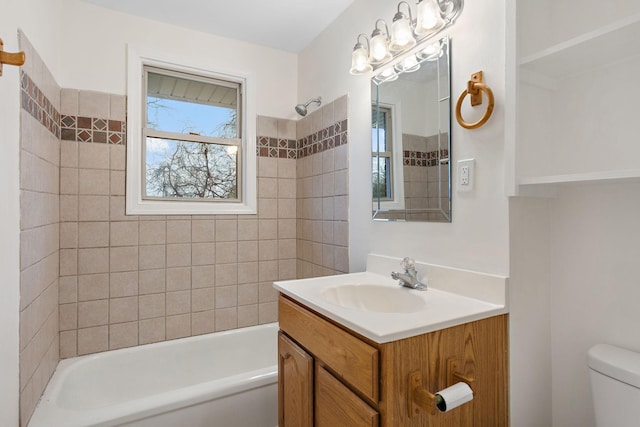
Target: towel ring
[(475, 88)]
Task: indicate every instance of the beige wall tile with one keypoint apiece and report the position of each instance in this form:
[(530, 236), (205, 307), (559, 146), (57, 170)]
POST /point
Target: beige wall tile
[(328, 208), (178, 326), (151, 330), (93, 234), (152, 232), (123, 233), (178, 231), (202, 276), (267, 250), (266, 292), (123, 335), (341, 259), (93, 313), (247, 294), (286, 248), (341, 157), (328, 256), (328, 161), (248, 229), (267, 187), (151, 281), (226, 252), (287, 269), (68, 262), (68, 344), (124, 258), (341, 233), (151, 306), (93, 287), (341, 210), (93, 182), (327, 232), (68, 316), (267, 312), (178, 302), (202, 322), (117, 210), (286, 129), (68, 181), (267, 167), (123, 284), (69, 154), (203, 231), (68, 208), (267, 208), (178, 278), (202, 299), (226, 296), (178, 255), (69, 102), (247, 272), (226, 274), (93, 208), (117, 157), (226, 318), (117, 107), (287, 188), (287, 168), (93, 156), (267, 126), (226, 230), (123, 309), (327, 115), (267, 271), (267, 229), (203, 253), (93, 260), (117, 184), (247, 315), (151, 257), (93, 104), (68, 235), (68, 289), (93, 340), (248, 251), (341, 182)]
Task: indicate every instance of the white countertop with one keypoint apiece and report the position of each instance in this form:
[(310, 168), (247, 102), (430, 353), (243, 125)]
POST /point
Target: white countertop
[(463, 297)]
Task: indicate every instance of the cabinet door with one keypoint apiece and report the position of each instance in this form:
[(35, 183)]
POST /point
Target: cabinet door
[(336, 405), (295, 384)]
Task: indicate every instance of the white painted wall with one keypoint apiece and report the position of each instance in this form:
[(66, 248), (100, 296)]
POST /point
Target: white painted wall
[(94, 55), (477, 239), (419, 111)]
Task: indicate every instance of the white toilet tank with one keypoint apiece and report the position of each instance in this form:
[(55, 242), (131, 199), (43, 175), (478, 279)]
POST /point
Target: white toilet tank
[(615, 385)]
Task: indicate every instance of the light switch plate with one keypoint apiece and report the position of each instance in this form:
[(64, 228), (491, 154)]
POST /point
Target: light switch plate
[(465, 175)]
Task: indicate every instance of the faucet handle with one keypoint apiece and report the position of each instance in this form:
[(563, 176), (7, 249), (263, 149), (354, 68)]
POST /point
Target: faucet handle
[(408, 263)]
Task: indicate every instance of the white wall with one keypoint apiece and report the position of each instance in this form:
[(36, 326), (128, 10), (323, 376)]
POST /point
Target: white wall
[(419, 111), (94, 56), (477, 239)]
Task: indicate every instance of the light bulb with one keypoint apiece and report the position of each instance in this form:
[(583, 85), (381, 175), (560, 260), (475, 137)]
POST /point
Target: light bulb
[(360, 60), (401, 33), (379, 51), (429, 17)]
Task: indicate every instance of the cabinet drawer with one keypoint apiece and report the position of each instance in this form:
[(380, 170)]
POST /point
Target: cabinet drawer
[(350, 358), (336, 405)]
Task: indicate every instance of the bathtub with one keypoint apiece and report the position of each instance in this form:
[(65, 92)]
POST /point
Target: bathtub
[(224, 379)]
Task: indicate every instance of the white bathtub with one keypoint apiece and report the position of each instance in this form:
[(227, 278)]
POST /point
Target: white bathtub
[(224, 379)]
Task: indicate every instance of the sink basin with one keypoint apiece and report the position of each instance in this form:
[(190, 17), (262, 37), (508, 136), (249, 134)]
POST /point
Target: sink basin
[(373, 298)]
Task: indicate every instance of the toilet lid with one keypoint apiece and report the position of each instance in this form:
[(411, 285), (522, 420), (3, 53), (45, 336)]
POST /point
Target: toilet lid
[(615, 362)]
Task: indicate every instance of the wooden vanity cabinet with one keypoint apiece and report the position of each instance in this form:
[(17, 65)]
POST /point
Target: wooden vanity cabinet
[(331, 376)]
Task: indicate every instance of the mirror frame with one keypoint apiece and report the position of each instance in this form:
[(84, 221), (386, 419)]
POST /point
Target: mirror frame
[(395, 210)]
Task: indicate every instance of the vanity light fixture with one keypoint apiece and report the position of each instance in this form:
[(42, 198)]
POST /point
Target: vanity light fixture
[(385, 46)]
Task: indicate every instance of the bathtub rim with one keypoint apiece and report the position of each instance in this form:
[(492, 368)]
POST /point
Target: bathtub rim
[(48, 412)]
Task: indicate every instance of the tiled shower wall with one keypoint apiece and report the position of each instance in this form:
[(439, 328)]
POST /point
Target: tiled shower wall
[(94, 279), (39, 228), (323, 188), (129, 280)]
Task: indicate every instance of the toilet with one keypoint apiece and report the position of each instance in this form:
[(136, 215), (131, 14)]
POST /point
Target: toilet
[(615, 385)]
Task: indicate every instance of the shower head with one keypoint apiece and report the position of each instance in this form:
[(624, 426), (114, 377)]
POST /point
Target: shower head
[(302, 108)]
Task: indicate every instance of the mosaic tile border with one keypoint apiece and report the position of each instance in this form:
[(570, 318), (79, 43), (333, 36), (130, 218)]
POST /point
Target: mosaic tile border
[(330, 137), (33, 100), (91, 129), (425, 158)]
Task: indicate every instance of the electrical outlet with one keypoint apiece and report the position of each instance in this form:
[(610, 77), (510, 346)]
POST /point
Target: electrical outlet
[(465, 175)]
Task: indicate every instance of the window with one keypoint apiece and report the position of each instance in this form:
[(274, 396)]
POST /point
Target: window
[(189, 141), (382, 153), (387, 157)]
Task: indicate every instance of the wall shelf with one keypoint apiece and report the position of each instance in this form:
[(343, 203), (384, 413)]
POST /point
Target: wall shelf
[(605, 45), (545, 185)]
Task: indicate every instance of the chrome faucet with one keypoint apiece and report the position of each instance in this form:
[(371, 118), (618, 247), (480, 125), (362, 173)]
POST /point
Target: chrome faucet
[(409, 279)]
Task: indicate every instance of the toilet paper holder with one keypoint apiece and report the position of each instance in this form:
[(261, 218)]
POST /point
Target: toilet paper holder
[(419, 397)]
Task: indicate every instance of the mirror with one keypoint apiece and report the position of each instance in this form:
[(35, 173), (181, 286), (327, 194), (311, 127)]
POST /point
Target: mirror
[(410, 136)]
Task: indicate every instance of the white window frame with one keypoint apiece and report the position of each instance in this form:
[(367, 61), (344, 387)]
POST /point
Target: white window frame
[(397, 167), (136, 94)]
